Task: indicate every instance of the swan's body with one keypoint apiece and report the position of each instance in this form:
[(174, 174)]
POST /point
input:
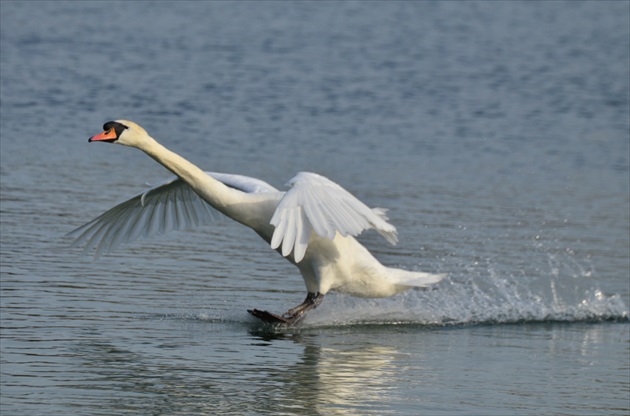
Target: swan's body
[(312, 224)]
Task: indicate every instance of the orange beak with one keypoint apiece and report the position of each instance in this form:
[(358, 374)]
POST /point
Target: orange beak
[(106, 136)]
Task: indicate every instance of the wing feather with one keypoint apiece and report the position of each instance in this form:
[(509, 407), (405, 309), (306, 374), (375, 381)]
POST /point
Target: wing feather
[(289, 237), (303, 237), (170, 205), (317, 204)]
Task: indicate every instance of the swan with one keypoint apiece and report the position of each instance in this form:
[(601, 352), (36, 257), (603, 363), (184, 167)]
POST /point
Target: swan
[(312, 224)]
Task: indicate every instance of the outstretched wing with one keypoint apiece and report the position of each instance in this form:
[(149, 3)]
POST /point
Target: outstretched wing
[(315, 203), (170, 205)]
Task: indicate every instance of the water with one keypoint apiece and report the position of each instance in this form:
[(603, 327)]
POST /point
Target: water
[(496, 133)]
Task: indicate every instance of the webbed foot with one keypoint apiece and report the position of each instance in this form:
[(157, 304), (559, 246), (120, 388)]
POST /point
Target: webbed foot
[(270, 318), (293, 315)]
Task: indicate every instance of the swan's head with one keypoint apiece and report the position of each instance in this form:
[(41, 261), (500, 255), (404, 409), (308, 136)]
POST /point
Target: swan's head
[(122, 132)]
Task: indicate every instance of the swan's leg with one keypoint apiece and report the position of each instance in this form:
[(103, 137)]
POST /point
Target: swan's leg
[(293, 315), (311, 302)]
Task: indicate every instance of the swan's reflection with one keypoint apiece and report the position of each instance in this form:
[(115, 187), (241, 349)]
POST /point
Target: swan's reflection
[(317, 373), (335, 376), (333, 371)]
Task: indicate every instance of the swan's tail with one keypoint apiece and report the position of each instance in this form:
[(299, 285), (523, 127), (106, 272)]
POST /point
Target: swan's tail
[(414, 279)]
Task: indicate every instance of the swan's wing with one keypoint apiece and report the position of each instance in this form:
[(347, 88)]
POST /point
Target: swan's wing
[(170, 205), (315, 203), (243, 183)]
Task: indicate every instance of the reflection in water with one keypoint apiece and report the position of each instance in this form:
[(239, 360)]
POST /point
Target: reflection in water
[(344, 379), (352, 371), (354, 380), (276, 373)]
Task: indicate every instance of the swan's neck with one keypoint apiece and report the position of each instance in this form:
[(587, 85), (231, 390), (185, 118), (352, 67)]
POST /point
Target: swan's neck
[(252, 210), (214, 192)]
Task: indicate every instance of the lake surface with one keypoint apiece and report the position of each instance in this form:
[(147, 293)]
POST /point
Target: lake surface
[(496, 133)]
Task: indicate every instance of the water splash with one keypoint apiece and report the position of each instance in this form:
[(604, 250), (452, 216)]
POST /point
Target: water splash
[(556, 288), (563, 291)]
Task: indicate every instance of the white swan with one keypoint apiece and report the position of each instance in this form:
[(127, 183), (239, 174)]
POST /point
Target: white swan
[(312, 224)]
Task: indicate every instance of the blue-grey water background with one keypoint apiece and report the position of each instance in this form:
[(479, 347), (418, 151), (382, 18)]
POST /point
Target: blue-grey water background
[(496, 133)]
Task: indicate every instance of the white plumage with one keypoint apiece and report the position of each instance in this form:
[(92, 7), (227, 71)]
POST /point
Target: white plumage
[(168, 206), (312, 224), (315, 203)]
